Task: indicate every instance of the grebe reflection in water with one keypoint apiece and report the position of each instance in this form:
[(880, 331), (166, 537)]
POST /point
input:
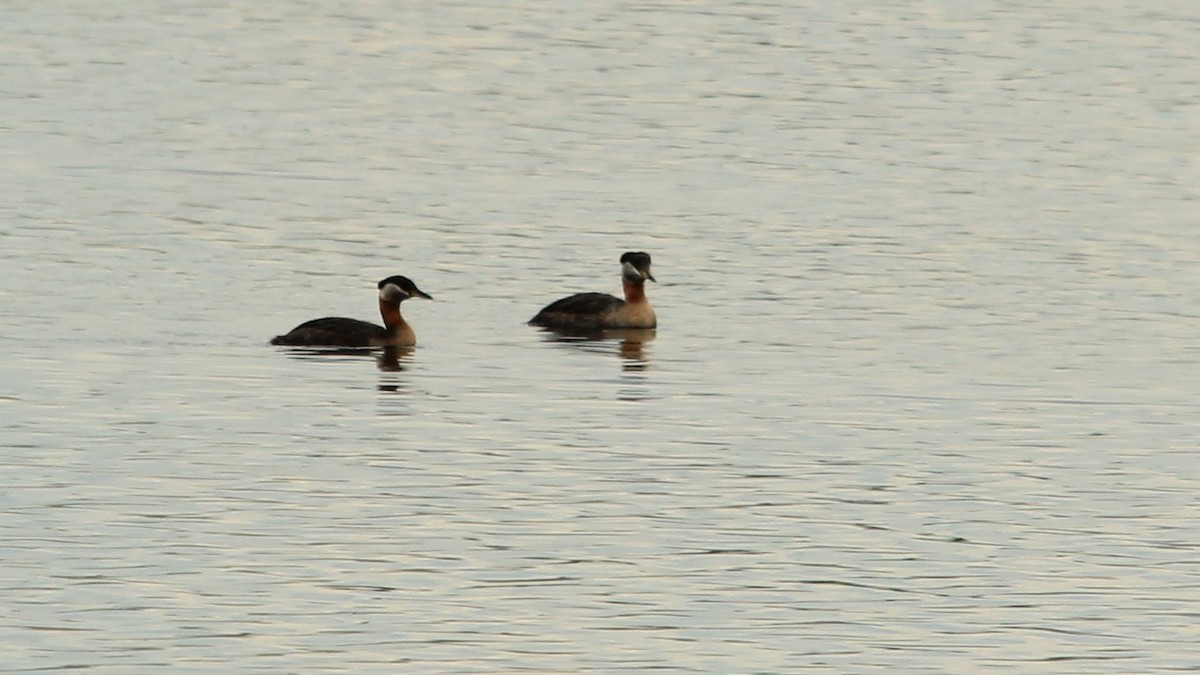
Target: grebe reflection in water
[(388, 359), (336, 331), (598, 311), (631, 343)]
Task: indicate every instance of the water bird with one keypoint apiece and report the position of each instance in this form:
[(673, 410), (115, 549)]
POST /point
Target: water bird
[(336, 331), (599, 311)]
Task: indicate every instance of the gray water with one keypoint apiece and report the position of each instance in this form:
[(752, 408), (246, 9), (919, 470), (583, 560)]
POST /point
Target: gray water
[(922, 397)]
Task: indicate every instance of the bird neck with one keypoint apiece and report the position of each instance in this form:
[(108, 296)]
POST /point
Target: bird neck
[(635, 291), (390, 311)]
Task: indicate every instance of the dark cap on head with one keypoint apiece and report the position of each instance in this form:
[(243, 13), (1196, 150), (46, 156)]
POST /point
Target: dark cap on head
[(640, 261), (405, 284)]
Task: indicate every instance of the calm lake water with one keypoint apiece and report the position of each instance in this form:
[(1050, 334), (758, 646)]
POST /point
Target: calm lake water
[(923, 396)]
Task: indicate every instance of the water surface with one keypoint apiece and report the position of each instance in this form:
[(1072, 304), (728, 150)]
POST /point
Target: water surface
[(922, 396)]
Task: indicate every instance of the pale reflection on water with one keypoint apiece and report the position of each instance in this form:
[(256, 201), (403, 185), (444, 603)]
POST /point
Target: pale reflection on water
[(922, 395)]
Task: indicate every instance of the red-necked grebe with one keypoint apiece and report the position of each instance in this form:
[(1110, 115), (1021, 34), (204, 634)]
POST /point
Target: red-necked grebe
[(595, 311), (334, 331)]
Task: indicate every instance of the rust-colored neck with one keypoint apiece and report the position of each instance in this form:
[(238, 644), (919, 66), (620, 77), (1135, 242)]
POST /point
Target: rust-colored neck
[(635, 291), (390, 312)]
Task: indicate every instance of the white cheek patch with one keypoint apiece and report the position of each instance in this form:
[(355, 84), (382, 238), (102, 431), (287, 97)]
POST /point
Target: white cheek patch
[(628, 271), (392, 293)]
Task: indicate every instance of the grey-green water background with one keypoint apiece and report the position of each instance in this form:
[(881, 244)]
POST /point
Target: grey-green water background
[(923, 398)]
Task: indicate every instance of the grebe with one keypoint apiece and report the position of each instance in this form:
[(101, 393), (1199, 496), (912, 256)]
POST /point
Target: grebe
[(334, 331), (596, 311)]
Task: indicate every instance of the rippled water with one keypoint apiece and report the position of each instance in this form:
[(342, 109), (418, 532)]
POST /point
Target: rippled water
[(922, 396)]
